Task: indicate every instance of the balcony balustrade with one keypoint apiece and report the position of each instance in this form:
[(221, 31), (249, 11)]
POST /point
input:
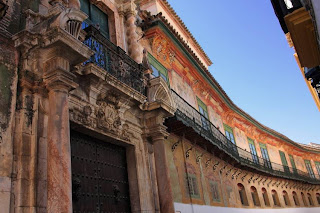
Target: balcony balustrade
[(188, 115), (114, 60)]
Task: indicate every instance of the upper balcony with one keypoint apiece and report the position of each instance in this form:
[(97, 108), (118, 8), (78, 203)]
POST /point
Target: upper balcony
[(313, 75), (200, 129), (283, 8), (114, 60)]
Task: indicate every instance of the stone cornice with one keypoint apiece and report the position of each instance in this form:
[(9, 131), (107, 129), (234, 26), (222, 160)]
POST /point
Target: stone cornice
[(94, 70)]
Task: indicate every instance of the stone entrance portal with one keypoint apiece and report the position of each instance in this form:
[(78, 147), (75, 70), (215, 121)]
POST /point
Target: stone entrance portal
[(99, 175)]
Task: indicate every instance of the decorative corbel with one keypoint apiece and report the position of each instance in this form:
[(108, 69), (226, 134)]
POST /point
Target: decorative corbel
[(287, 185), (215, 165), (274, 183), (278, 184), (233, 175), (259, 181), (244, 176), (174, 146), (208, 162), (237, 175), (294, 186), (223, 168), (229, 171), (250, 179), (198, 159), (188, 152), (254, 180), (269, 182), (265, 180)]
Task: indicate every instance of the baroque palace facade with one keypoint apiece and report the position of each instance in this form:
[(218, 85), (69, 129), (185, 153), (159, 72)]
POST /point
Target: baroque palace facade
[(108, 106)]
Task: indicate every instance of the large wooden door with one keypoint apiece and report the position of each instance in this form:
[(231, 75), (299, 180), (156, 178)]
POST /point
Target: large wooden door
[(99, 176)]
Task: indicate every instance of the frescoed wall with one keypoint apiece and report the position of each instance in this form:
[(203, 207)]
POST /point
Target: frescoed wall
[(200, 178), (185, 80)]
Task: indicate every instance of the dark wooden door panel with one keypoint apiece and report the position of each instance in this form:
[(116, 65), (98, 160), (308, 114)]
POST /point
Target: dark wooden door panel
[(99, 176)]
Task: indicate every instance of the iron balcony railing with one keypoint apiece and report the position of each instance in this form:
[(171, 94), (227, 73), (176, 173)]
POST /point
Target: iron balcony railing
[(114, 60), (191, 117)]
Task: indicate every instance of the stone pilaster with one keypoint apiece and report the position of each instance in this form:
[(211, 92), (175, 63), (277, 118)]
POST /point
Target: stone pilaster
[(153, 177), (162, 172), (59, 81)]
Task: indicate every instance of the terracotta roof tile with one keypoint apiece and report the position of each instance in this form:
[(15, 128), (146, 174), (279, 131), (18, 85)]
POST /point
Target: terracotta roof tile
[(173, 12)]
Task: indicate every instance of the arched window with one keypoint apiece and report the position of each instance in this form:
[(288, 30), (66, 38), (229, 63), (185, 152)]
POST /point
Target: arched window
[(318, 198), (265, 197), (275, 198), (286, 198), (255, 196), (310, 199), (243, 195), (295, 198), (304, 199)]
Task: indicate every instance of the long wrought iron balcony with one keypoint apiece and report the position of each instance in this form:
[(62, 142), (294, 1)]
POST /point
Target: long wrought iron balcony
[(114, 60), (189, 116)]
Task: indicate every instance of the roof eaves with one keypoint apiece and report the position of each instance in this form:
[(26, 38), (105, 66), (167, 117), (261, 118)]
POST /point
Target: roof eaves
[(166, 3)]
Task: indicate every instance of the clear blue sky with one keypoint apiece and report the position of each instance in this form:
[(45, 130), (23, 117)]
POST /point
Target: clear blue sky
[(253, 63)]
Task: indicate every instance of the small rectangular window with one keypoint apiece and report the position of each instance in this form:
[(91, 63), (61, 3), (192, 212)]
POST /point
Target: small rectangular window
[(215, 191), (192, 186)]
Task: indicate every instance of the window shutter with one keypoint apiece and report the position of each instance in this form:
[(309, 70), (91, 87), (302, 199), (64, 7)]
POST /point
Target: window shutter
[(85, 6), (283, 158), (99, 17)]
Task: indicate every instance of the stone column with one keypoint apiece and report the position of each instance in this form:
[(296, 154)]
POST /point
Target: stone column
[(162, 172), (59, 81), (134, 48)]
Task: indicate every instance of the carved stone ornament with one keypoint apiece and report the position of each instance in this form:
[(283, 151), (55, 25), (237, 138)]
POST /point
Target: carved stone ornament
[(83, 116), (105, 116), (108, 115)]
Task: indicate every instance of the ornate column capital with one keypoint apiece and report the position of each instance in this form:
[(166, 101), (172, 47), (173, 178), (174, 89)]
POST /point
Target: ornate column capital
[(58, 76), (130, 9)]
